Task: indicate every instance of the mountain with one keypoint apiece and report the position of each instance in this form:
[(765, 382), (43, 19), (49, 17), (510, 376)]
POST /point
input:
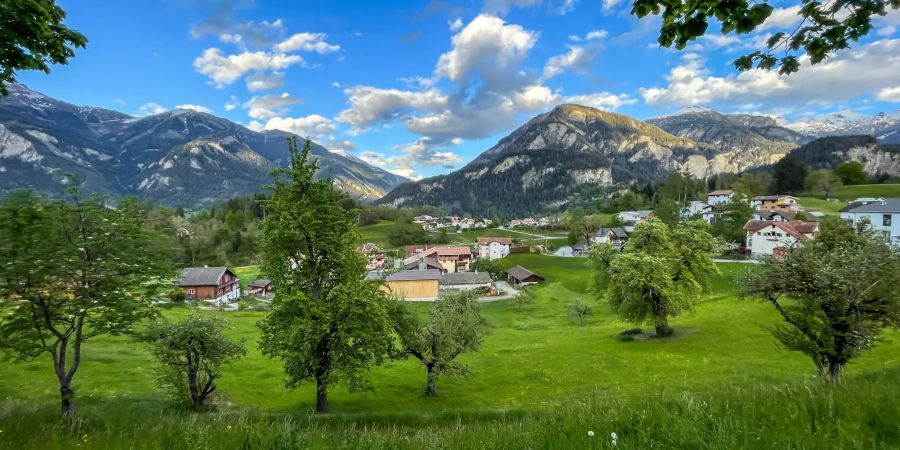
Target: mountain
[(884, 126), (542, 164), (176, 157), (828, 152)]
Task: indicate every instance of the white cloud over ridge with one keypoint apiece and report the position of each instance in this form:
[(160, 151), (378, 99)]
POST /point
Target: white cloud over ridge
[(270, 106), (193, 107)]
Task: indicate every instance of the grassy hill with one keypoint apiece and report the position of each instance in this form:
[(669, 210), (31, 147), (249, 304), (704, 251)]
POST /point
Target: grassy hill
[(537, 368)]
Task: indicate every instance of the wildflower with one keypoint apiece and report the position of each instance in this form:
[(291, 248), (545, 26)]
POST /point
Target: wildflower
[(590, 433), (614, 438), (228, 427)]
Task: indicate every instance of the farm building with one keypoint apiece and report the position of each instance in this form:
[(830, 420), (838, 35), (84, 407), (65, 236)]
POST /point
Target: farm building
[(217, 284), (519, 276), (259, 287), (465, 281), (423, 263), (414, 284)]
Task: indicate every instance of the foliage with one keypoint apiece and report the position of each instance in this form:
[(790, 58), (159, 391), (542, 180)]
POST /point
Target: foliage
[(524, 297), (70, 272), (580, 310), (750, 185), (681, 188), (823, 182), (668, 211), (660, 272), (191, 353), (582, 225), (326, 323), (176, 295), (790, 172), (835, 294), (407, 234), (824, 29), (851, 172), (488, 265), (730, 220), (454, 326), (32, 36)]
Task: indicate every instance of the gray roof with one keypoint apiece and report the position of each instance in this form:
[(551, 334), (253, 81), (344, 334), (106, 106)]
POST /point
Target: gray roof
[(413, 262), (201, 276), (770, 197), (581, 245), (521, 273), (466, 278), (767, 214), (373, 275), (889, 205), (412, 275), (619, 232), (262, 282)]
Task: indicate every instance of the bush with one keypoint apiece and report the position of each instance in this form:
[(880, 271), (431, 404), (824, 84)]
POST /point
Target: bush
[(176, 296)]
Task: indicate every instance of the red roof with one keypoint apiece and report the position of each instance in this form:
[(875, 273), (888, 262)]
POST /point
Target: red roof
[(485, 240), (722, 192), (447, 251), (794, 228)]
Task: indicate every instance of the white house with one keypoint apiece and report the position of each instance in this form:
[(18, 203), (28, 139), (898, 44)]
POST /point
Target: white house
[(716, 198), (634, 216), (883, 215), (699, 209), (769, 237), (493, 247), (617, 236), (788, 202)]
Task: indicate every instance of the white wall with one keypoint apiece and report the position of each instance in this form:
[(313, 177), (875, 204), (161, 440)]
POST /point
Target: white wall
[(765, 241)]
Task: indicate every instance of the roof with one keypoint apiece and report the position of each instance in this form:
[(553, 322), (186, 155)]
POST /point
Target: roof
[(644, 212), (466, 278), (485, 240), (201, 276), (721, 192), (414, 275), (770, 197), (413, 262), (447, 251), (521, 273), (767, 214), (373, 275), (260, 283), (795, 228), (619, 232), (889, 205), (581, 245)]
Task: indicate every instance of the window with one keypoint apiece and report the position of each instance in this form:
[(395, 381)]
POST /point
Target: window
[(886, 220), (191, 291)]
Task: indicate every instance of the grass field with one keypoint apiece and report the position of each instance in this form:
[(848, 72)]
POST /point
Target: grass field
[(826, 206), (378, 233), (533, 370), (847, 193)]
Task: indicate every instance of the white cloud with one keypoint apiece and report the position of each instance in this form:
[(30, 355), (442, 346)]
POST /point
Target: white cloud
[(579, 58), (119, 101), (502, 7), (224, 70), (887, 31), (312, 126), (488, 45), (306, 42), (262, 81), (849, 74), (151, 108), (456, 24), (223, 25), (422, 152), (596, 34), (369, 104), (336, 84), (270, 106), (889, 94), (192, 107), (340, 146), (608, 5), (602, 100), (232, 103), (781, 19)]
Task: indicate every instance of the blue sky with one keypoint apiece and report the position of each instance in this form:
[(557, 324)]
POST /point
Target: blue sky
[(422, 87)]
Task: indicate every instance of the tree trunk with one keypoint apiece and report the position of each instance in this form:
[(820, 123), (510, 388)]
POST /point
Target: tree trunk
[(663, 329), (835, 370), (321, 397), (430, 387), (67, 395)]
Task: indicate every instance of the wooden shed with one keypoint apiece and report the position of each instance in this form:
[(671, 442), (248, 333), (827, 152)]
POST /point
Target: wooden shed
[(519, 276), (414, 284)]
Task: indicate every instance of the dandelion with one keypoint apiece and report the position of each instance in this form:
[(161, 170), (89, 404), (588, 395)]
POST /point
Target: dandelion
[(614, 438), (590, 433)]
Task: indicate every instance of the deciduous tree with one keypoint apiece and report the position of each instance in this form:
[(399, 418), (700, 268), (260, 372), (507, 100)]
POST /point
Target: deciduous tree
[(790, 172), (835, 294), (851, 172)]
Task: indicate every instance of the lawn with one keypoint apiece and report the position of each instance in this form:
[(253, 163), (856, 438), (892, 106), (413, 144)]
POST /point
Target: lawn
[(848, 193), (531, 359), (831, 207)]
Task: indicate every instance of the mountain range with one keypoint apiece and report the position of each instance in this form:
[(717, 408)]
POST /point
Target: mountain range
[(883, 126), (179, 157)]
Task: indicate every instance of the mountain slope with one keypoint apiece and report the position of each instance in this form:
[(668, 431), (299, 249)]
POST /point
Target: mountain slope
[(828, 152), (884, 126), (177, 157), (539, 166)]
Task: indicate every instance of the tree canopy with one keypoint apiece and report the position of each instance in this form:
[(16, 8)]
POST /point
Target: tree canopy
[(823, 29)]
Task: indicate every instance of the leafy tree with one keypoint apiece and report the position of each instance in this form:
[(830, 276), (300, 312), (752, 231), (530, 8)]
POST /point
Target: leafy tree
[(454, 326), (177, 295), (192, 352), (659, 273), (487, 265), (524, 297), (327, 324), (750, 185), (822, 181), (680, 187), (408, 233), (835, 294), (668, 211), (70, 272), (825, 28), (730, 220), (790, 172), (580, 310), (583, 226), (32, 36), (851, 172), (443, 238)]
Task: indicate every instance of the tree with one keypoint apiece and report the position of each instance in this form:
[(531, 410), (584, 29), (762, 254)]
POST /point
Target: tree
[(327, 324), (822, 181), (580, 310), (454, 326), (824, 27), (443, 238), (488, 265), (70, 272), (524, 297), (730, 220), (789, 174), (191, 353), (668, 211), (583, 226), (750, 185), (851, 172), (659, 273), (835, 294), (32, 36)]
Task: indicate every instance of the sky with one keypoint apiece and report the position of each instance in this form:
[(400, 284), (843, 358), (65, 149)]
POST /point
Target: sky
[(420, 88)]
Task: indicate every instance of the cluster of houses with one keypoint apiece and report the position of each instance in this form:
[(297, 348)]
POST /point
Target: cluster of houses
[(430, 223), (529, 222)]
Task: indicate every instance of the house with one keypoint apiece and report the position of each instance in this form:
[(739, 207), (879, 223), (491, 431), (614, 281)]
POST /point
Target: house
[(781, 215), (260, 287), (214, 284), (414, 284), (845, 211), (422, 219), (765, 237), (565, 251), (581, 248), (519, 276), (452, 258), (374, 255), (787, 202), (882, 215), (493, 247), (635, 216), (465, 281), (418, 262), (716, 198), (698, 209), (617, 236)]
